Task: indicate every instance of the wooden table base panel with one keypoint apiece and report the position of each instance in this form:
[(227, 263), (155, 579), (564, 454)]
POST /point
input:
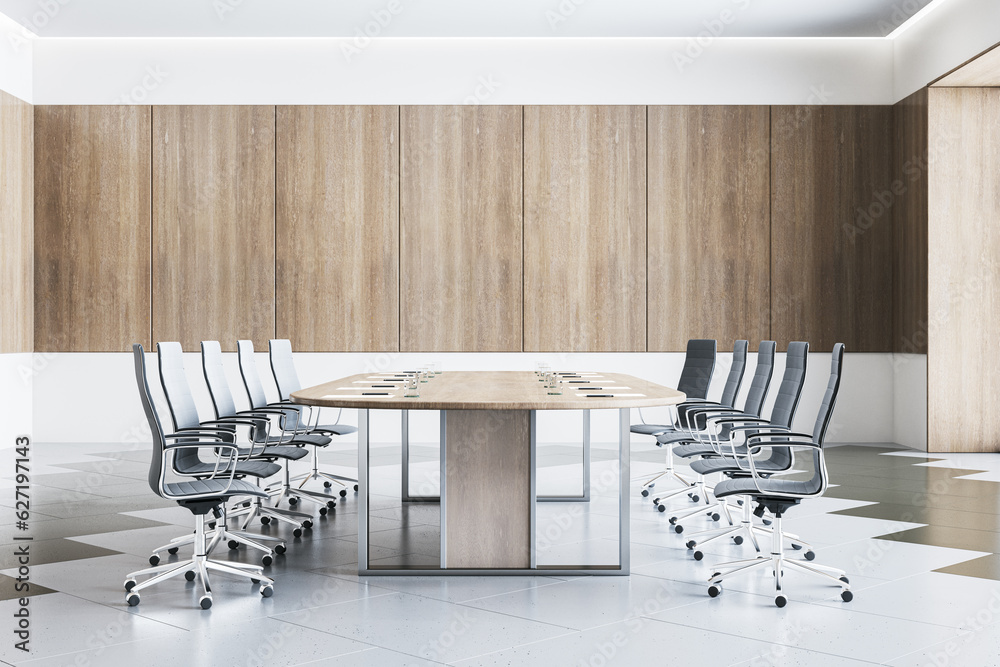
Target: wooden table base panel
[(487, 491)]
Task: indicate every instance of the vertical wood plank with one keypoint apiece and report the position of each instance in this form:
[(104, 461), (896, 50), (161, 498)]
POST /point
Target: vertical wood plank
[(831, 226), (213, 224), (338, 227), (963, 360), (709, 240), (17, 130), (92, 228), (585, 228), (460, 200), (909, 279)]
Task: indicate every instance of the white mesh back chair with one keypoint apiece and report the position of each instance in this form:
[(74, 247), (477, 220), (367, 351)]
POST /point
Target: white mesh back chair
[(287, 381), (199, 494)]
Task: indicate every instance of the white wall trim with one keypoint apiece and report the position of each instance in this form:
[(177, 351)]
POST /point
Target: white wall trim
[(16, 63)]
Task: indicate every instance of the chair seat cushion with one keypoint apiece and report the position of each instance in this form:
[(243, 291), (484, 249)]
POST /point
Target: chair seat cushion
[(651, 429), (253, 468), (336, 429), (289, 452), (746, 485), (237, 487), (725, 464), (310, 439)]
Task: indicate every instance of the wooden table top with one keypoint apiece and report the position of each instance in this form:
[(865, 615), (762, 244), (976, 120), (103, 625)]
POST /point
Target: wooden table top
[(489, 390)]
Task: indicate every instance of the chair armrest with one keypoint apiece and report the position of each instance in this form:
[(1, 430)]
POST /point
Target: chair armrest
[(222, 434), (792, 444), (217, 448), (800, 437)]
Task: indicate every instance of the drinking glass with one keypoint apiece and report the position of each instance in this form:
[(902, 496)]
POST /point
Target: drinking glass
[(412, 387)]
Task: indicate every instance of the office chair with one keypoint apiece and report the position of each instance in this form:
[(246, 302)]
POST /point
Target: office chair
[(201, 495), (776, 495), (287, 381), (291, 422), (696, 375), (723, 457), (693, 441), (256, 461), (285, 448)]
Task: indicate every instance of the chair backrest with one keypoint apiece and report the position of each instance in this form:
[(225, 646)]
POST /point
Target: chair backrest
[(248, 371), (176, 389), (761, 378), (830, 397), (215, 378), (699, 364), (791, 385), (735, 378), (155, 476), (283, 367)]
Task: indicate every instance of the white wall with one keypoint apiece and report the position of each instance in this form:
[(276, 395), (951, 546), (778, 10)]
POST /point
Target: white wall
[(455, 70), (91, 397), (910, 400), (16, 379), (951, 34), (16, 73)]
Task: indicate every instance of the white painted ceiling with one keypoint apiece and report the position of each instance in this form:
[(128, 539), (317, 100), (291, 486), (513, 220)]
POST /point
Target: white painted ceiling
[(459, 18)]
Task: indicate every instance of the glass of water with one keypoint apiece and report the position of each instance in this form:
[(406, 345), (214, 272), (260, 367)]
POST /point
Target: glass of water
[(412, 387)]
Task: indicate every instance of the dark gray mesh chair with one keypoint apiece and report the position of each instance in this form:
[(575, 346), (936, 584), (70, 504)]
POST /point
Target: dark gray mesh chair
[(284, 447), (291, 421), (696, 376), (287, 380), (695, 442), (200, 494), (255, 460), (776, 494)]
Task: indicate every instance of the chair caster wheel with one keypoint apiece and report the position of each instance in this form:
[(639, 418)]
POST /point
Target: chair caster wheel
[(695, 498), (255, 581), (678, 529), (355, 488), (691, 544), (266, 560), (173, 550), (280, 549), (738, 539), (189, 575), (343, 493), (661, 508), (780, 601), (766, 522), (266, 590), (846, 596), (205, 602), (297, 532), (810, 555), (672, 520), (331, 504), (307, 524), (265, 520), (644, 493), (154, 560), (132, 599), (714, 591), (716, 516), (656, 501), (234, 545), (129, 585), (327, 485), (293, 501), (323, 511), (797, 547), (845, 580), (698, 555)]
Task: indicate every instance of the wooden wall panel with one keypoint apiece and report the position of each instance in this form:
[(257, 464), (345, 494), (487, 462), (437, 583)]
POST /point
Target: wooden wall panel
[(92, 274), (708, 249), (337, 282), (460, 208), (213, 224), (16, 224), (963, 406), (831, 226), (585, 228), (909, 264)]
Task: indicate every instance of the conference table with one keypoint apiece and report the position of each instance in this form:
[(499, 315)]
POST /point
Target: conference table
[(488, 458)]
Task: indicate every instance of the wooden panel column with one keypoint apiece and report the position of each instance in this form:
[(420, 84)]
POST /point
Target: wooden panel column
[(963, 357), (92, 227), (831, 226), (16, 224), (338, 227), (460, 202), (585, 228), (708, 250), (213, 224)]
